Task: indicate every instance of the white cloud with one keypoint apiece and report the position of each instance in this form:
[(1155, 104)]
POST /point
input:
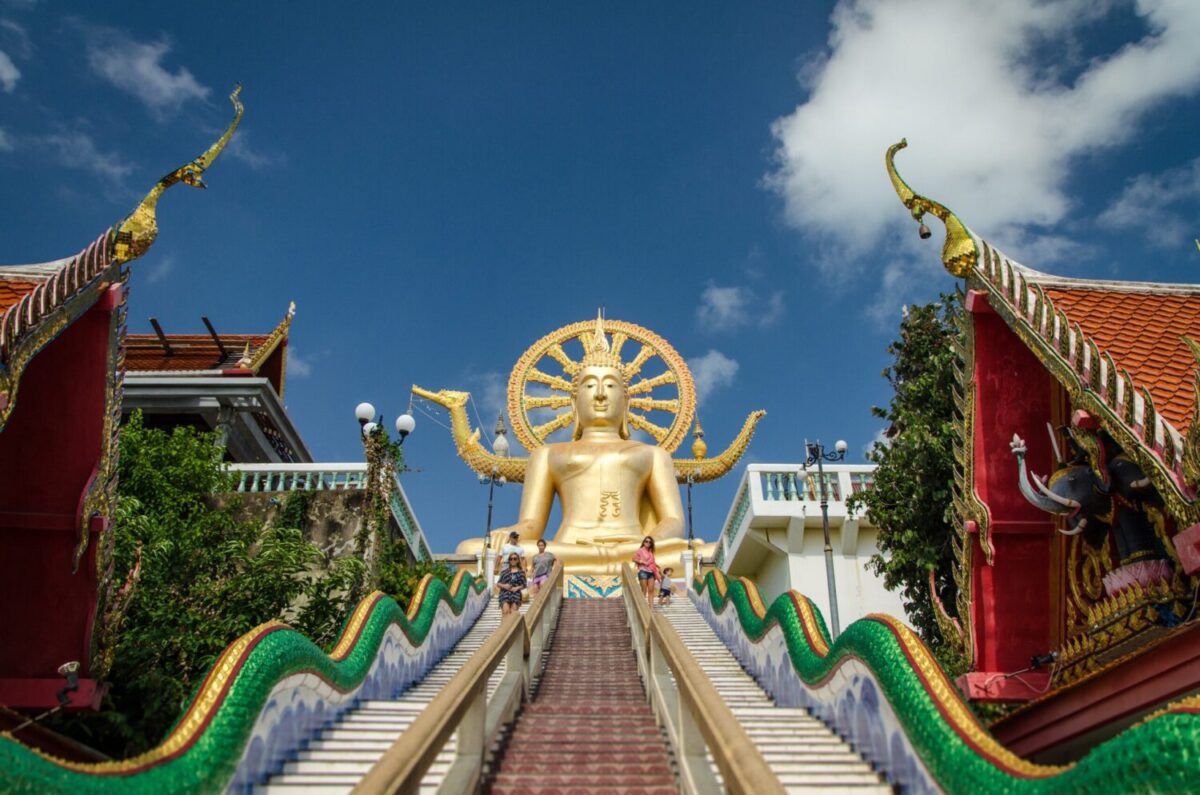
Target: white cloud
[(240, 149), (16, 39), (728, 308), (880, 438), (9, 73), (77, 150), (6, 144), (492, 396), (993, 128), (298, 367), (711, 371), (159, 270), (1150, 203), (136, 68)]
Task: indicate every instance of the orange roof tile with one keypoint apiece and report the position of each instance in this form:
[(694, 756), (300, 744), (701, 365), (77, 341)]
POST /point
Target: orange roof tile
[(144, 352), (13, 290), (1141, 331)]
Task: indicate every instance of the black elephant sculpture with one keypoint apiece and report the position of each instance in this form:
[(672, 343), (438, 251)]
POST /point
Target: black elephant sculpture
[(1101, 490)]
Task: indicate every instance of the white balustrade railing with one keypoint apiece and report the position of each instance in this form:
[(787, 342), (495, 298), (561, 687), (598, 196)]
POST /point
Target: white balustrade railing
[(779, 489), (299, 477)]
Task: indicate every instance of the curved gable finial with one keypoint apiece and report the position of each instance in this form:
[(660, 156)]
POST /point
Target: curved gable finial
[(137, 232), (959, 253)]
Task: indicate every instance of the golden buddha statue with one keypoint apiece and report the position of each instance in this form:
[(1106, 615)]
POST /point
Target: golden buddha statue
[(613, 489)]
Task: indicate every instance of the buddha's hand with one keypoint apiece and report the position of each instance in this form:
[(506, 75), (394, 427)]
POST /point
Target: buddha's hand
[(610, 540)]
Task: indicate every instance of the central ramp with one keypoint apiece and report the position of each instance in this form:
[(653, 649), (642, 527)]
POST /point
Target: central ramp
[(589, 727)]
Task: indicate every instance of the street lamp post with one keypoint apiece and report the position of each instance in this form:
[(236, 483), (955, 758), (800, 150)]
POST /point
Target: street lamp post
[(815, 454), (382, 463), (500, 447), (690, 559)]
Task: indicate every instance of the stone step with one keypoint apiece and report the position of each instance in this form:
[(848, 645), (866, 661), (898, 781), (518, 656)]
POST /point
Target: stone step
[(576, 783)]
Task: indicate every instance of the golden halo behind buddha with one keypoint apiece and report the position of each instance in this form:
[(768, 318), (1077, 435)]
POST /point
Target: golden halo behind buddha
[(662, 395)]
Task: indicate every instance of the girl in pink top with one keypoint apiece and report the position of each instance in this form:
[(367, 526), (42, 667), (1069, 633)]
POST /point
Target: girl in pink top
[(647, 569)]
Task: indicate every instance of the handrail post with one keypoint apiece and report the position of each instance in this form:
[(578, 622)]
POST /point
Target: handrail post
[(489, 563), (472, 729)]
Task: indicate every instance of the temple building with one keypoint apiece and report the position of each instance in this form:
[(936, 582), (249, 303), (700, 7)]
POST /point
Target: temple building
[(774, 535), (1078, 547), (229, 383)]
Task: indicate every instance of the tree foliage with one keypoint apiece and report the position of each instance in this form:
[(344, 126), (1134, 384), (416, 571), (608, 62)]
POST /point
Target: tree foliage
[(910, 501), (207, 577)]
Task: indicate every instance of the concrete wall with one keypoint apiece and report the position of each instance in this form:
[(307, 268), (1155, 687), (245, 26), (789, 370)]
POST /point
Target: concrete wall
[(331, 520)]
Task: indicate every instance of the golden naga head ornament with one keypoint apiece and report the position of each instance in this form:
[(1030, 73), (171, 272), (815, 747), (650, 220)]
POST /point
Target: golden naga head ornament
[(659, 391)]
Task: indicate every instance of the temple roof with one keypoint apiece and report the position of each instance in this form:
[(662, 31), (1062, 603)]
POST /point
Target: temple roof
[(1142, 331), (1125, 351), (200, 354), (13, 290), (144, 353)]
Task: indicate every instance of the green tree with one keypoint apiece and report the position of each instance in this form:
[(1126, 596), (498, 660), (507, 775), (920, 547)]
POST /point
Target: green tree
[(910, 502), (206, 578)]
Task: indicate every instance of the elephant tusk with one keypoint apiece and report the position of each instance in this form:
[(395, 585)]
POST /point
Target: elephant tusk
[(1140, 483), (1078, 528), (1066, 502)]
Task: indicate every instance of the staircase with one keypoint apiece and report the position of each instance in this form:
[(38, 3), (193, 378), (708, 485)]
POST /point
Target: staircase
[(340, 754), (802, 752), (589, 727)]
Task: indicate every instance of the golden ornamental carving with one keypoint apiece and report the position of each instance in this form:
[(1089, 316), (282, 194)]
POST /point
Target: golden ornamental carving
[(137, 232), (1191, 442), (959, 253)]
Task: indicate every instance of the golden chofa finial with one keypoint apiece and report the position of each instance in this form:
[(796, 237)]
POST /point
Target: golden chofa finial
[(246, 360), (959, 253), (137, 232)]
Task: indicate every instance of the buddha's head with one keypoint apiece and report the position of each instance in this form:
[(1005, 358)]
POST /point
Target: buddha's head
[(601, 400)]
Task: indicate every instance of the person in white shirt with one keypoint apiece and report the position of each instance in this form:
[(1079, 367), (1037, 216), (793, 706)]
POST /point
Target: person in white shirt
[(508, 549), (665, 588)]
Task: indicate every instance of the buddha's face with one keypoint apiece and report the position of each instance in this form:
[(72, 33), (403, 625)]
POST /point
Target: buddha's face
[(600, 399)]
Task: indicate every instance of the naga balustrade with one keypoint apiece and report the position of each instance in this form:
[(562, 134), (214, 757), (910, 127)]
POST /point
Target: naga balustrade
[(274, 478), (464, 706), (881, 689), (684, 701)]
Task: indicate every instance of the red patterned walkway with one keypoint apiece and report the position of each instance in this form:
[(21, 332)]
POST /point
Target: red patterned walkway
[(589, 729)]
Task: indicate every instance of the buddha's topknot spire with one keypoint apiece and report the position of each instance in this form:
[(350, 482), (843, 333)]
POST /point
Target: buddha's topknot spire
[(598, 353)]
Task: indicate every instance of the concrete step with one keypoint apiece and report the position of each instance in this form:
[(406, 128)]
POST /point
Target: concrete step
[(801, 750)]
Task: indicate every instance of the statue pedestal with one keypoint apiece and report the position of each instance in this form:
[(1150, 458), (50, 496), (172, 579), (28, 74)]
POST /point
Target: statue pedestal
[(592, 586)]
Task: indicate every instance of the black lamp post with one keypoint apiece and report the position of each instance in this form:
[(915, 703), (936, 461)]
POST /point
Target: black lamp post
[(815, 454), (500, 447)]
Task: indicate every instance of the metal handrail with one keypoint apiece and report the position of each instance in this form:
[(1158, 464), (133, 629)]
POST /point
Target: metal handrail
[(463, 705), (692, 710)]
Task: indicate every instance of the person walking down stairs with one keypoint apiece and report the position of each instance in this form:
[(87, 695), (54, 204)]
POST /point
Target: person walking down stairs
[(589, 728)]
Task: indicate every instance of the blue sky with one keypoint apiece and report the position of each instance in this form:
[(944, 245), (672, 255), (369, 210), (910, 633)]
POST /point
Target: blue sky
[(439, 186)]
